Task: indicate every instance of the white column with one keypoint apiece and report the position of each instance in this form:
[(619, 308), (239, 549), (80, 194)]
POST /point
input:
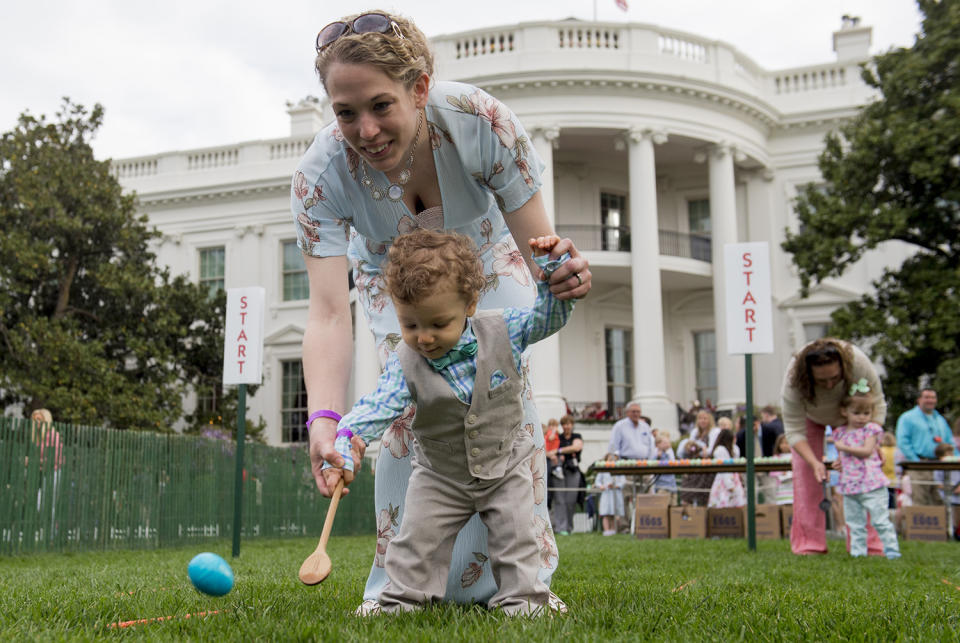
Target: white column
[(366, 364), (649, 364), (723, 222), (545, 371), (545, 141)]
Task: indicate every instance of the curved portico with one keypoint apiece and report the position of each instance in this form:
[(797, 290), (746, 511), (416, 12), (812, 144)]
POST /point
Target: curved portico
[(658, 121)]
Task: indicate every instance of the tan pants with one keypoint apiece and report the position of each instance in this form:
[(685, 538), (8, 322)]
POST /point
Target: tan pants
[(418, 559)]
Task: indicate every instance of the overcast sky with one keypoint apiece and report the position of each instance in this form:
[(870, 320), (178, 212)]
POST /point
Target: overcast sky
[(180, 74)]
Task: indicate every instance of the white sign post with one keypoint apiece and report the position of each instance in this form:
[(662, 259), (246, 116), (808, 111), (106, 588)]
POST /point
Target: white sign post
[(749, 314), (242, 364), (746, 269), (243, 336)]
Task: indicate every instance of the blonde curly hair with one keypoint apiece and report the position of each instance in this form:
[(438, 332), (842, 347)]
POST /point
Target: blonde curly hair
[(403, 60)]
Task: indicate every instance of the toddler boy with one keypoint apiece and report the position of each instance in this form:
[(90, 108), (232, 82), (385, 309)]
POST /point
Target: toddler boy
[(461, 368)]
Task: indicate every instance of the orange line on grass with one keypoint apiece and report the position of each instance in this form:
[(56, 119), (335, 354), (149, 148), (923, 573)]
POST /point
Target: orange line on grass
[(142, 621)]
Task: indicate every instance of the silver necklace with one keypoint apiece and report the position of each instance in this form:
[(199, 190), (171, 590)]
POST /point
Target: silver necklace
[(395, 191)]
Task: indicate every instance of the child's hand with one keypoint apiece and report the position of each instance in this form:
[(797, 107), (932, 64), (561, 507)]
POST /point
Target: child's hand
[(542, 245)]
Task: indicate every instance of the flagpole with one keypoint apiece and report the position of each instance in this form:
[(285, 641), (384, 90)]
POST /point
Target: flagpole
[(594, 10)]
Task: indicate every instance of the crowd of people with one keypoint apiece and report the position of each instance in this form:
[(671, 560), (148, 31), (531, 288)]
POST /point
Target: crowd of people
[(833, 406)]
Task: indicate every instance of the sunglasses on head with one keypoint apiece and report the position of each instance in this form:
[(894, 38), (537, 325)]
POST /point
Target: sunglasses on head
[(821, 356), (367, 23)]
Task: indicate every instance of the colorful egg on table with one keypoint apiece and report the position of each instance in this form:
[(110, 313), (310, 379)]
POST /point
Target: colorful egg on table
[(210, 574)]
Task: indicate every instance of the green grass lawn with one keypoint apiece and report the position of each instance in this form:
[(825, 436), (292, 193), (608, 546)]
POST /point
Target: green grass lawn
[(618, 588)]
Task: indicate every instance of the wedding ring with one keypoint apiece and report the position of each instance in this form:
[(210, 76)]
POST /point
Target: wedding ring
[(579, 279)]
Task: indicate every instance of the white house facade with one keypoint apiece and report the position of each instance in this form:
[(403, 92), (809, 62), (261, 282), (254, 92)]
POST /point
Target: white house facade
[(660, 147)]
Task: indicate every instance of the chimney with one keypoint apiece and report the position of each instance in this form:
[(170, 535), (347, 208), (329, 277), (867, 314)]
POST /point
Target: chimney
[(852, 42), (307, 116)]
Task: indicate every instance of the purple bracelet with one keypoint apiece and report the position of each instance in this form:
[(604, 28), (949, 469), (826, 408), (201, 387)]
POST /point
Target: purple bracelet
[(323, 413), (345, 433)]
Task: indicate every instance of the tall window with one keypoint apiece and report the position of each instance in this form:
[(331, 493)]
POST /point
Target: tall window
[(212, 269), (293, 408), (207, 397), (698, 214), (613, 217), (294, 273), (705, 361), (619, 348), (815, 331)]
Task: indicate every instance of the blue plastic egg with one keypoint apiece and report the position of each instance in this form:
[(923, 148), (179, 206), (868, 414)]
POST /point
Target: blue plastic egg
[(210, 574)]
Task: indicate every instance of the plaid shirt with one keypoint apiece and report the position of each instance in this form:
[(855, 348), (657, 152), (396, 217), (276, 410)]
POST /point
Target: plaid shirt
[(375, 412)]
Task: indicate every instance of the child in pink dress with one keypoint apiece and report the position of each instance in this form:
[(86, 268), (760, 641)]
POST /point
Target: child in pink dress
[(862, 481)]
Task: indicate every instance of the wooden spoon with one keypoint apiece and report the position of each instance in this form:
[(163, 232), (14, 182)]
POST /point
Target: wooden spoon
[(317, 565)]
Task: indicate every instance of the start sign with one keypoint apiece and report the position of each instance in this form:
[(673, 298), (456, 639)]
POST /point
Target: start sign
[(243, 336), (749, 313)]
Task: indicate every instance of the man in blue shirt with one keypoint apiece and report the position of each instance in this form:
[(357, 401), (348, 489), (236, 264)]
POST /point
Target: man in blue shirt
[(631, 437), (919, 430)]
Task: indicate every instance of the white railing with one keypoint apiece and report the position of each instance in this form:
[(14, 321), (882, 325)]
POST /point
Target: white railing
[(213, 158), (484, 44), (288, 149), (541, 47), (588, 37), (135, 168), (683, 48), (284, 150), (794, 81)]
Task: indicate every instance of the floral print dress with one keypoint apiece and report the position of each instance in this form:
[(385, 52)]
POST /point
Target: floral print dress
[(486, 167), (727, 489)]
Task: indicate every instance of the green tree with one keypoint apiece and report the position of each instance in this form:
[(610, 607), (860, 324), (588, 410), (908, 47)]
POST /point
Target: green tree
[(893, 174), (90, 327)]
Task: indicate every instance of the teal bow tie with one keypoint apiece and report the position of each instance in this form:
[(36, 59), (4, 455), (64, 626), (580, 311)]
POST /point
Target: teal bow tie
[(455, 355)]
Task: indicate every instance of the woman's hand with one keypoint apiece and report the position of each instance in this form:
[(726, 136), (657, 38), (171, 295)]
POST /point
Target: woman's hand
[(573, 279), (323, 433), (819, 471)]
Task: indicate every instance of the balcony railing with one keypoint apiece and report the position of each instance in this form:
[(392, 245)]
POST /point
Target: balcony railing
[(617, 239), (682, 244)]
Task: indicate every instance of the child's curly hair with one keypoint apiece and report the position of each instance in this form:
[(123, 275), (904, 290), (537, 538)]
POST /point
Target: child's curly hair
[(423, 259)]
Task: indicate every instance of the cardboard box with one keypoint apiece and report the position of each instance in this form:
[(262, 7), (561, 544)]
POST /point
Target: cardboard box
[(925, 523), (688, 522), (786, 519), (767, 522), (651, 516), (725, 523)]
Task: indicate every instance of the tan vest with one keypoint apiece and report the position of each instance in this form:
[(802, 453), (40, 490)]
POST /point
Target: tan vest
[(465, 442)]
